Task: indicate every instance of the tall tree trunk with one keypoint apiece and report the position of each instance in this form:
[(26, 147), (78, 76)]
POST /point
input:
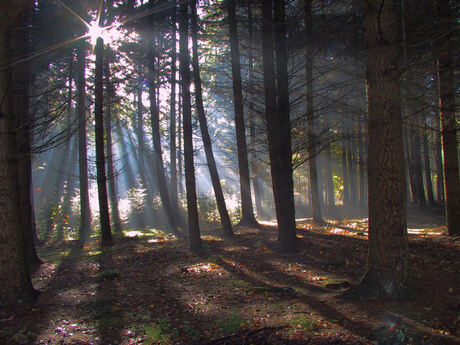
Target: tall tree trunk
[(428, 183), (439, 168), (106, 231), (190, 184), (278, 125), (346, 177), (111, 181), (85, 214), (315, 199), (15, 279), (179, 148), (247, 217), (352, 167), (416, 161), (410, 177), (220, 200), (328, 177), (448, 121), (361, 155), (157, 151), (139, 129), (256, 183), (386, 273), (20, 102), (172, 115)]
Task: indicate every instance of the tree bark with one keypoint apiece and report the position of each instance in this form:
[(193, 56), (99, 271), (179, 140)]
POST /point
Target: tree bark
[(426, 158), (439, 168), (172, 114), (157, 151), (416, 161), (361, 155), (220, 200), (448, 122), (247, 217), (20, 102), (15, 279), (104, 217), (190, 184), (256, 183), (111, 181), (85, 214), (314, 189), (278, 129), (387, 265)]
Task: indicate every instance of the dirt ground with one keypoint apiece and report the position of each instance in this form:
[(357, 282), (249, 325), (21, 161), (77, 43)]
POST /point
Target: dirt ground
[(149, 289)]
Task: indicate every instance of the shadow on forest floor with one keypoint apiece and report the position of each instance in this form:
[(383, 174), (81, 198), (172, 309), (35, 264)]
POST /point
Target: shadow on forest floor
[(150, 289)]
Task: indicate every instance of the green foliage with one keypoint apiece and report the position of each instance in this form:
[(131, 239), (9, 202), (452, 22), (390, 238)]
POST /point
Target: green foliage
[(304, 322), (231, 323), (208, 209), (338, 186), (161, 332), (102, 308), (191, 332), (136, 198), (141, 316)]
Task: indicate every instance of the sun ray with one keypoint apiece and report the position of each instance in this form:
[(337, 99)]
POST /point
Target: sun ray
[(75, 14), (62, 44)]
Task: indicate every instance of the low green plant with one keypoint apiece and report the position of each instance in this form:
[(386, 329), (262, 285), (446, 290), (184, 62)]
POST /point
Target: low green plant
[(161, 332), (191, 332), (231, 323), (304, 322)]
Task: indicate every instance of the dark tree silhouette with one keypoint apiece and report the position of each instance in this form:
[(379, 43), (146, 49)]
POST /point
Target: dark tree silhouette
[(106, 231), (220, 200), (190, 184), (247, 211)]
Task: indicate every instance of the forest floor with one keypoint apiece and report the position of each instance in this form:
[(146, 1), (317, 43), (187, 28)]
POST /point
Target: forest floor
[(149, 289)]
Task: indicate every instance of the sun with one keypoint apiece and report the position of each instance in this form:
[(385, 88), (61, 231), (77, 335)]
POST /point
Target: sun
[(94, 32), (109, 34)]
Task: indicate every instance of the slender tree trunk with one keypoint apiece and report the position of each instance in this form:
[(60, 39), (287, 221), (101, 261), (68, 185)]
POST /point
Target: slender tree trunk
[(157, 151), (417, 166), (15, 279), (144, 180), (448, 121), (220, 200), (439, 168), (190, 184), (172, 126), (315, 199), (351, 152), (179, 149), (428, 183), (111, 181), (256, 183), (387, 267), (85, 214), (409, 166), (106, 232), (278, 124), (361, 155), (247, 218), (346, 177)]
